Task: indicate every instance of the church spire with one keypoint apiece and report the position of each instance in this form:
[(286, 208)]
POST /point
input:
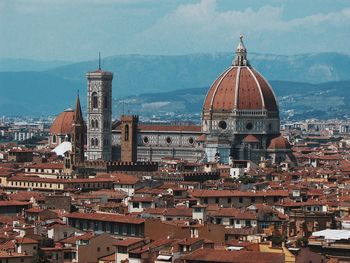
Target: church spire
[(78, 116), (241, 54), (78, 136)]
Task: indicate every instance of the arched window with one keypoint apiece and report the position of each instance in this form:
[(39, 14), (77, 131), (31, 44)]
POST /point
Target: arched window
[(96, 124), (126, 138), (96, 142), (54, 139), (92, 124), (94, 100), (92, 142)]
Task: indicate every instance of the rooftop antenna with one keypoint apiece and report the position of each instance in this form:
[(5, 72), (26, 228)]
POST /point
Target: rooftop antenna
[(99, 60), (78, 93)]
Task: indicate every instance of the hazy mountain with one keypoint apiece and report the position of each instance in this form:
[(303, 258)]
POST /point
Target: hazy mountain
[(12, 64), (35, 93), (136, 74), (296, 101), (54, 89)]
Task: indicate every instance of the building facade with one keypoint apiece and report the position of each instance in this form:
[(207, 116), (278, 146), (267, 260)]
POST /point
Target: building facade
[(99, 119), (240, 114), (240, 120)]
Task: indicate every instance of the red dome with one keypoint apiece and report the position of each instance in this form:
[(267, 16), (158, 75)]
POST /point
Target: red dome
[(240, 88), (279, 143), (63, 124)]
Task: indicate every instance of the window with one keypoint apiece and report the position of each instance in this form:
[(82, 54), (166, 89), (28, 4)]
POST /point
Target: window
[(135, 205), (145, 140), (229, 200), (241, 199), (264, 225), (222, 125), (249, 126), (126, 135), (122, 250), (96, 142), (232, 221), (205, 200), (252, 199), (98, 249), (217, 200), (168, 140), (54, 139), (218, 221), (190, 140), (248, 223), (94, 100), (92, 142)]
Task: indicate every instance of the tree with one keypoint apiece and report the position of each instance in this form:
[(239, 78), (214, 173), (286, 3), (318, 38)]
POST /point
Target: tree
[(302, 242), (277, 241)]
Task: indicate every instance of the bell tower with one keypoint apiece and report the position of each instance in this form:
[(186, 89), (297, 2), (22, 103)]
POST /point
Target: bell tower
[(78, 135), (99, 120), (128, 139)]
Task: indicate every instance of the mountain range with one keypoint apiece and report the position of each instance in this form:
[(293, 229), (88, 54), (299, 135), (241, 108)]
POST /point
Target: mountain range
[(307, 85)]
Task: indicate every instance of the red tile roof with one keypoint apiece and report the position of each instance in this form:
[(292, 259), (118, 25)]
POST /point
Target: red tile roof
[(63, 124), (106, 217), (213, 255), (26, 240), (14, 203), (240, 88)]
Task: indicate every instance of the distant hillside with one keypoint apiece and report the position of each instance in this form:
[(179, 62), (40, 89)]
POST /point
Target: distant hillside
[(51, 88), (136, 74), (35, 93), (11, 64), (296, 101)]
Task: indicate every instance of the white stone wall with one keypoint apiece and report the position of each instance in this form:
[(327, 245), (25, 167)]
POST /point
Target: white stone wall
[(99, 119)]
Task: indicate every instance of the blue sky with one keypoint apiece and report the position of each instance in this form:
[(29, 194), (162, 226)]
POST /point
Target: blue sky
[(77, 29)]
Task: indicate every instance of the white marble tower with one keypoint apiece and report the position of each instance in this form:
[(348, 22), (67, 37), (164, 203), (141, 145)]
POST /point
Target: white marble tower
[(99, 119)]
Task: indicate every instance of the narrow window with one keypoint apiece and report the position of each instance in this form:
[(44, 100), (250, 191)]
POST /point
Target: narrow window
[(126, 133), (94, 100)]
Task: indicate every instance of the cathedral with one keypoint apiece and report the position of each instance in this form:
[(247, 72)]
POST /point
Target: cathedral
[(240, 120)]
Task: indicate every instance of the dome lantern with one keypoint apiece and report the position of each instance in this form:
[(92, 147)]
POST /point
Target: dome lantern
[(241, 54)]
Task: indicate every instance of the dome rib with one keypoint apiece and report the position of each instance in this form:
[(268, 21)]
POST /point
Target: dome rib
[(268, 93), (217, 87), (240, 87), (259, 88), (63, 123), (238, 76)]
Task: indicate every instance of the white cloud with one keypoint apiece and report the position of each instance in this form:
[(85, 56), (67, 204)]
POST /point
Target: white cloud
[(202, 26)]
